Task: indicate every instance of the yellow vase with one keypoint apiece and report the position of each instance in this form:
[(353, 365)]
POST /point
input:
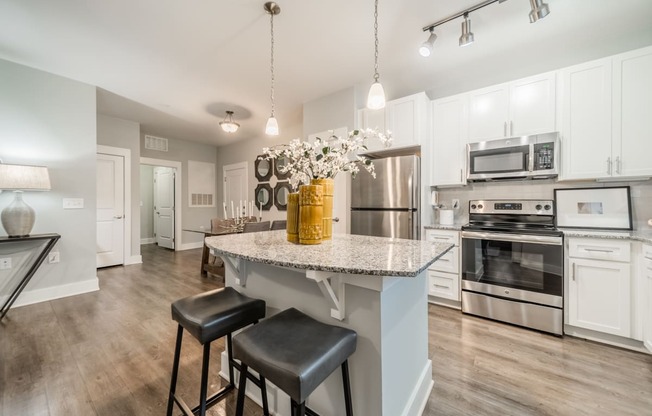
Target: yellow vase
[(293, 217), (328, 185), (311, 214)]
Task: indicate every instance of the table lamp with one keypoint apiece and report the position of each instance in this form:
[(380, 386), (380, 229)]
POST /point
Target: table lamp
[(18, 217)]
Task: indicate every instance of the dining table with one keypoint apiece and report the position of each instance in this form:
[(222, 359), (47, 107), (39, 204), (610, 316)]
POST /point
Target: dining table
[(210, 232)]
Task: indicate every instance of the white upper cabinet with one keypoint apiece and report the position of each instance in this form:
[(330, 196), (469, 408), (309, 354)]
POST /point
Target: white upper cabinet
[(518, 108), (449, 137), (585, 120), (647, 296), (604, 111), (632, 113), (405, 117)]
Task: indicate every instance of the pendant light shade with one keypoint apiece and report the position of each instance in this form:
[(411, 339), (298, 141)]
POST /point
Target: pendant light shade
[(467, 36), (228, 125), (271, 128), (539, 10), (272, 9), (376, 97)]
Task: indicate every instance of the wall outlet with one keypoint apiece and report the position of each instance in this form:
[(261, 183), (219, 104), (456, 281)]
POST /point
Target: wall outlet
[(53, 257), (5, 263)]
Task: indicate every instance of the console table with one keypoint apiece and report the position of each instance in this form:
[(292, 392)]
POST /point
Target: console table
[(41, 242)]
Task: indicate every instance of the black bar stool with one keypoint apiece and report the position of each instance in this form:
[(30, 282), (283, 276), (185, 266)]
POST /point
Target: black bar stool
[(296, 353), (207, 317)]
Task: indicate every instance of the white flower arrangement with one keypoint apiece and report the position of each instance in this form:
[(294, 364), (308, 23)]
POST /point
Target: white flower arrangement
[(325, 158)]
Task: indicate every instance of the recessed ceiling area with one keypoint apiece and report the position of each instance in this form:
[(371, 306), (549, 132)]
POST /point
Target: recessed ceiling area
[(174, 66)]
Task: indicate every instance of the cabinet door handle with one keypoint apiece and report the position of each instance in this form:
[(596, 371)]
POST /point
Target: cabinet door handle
[(609, 165), (573, 272), (461, 173), (511, 128), (117, 217), (505, 129), (598, 250), (618, 165), (648, 258)]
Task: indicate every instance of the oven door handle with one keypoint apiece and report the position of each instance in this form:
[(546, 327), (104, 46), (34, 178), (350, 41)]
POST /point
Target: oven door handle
[(514, 238)]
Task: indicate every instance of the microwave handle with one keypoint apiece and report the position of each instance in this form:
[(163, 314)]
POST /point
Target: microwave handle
[(530, 159)]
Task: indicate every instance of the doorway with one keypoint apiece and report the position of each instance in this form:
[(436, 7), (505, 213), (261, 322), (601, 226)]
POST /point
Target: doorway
[(161, 209), (236, 184)]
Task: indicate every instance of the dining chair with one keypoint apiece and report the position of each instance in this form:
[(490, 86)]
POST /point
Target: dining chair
[(279, 225), (252, 227)]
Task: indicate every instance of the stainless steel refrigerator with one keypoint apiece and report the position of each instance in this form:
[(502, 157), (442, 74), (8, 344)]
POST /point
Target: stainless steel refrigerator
[(387, 206)]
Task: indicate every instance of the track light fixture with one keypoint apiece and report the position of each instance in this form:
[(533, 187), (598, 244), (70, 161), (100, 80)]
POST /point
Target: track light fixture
[(228, 125), (426, 47), (539, 10), (467, 36)]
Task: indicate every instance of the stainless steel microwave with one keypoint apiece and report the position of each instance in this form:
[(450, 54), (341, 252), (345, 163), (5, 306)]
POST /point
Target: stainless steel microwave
[(526, 157)]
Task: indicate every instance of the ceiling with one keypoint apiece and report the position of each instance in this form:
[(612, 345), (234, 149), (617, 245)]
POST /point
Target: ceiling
[(177, 66)]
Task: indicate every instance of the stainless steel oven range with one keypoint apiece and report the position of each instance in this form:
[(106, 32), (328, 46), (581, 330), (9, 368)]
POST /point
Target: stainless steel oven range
[(512, 263)]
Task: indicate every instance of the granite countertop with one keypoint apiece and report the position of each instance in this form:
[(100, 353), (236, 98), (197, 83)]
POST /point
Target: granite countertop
[(645, 235), (454, 227), (345, 253)]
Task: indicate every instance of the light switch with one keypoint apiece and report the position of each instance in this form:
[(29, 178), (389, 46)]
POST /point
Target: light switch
[(73, 203)]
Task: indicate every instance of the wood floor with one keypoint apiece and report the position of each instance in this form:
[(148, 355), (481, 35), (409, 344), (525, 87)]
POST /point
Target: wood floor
[(109, 353)]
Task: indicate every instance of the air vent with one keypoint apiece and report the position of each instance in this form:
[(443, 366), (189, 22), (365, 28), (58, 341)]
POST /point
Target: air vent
[(156, 143), (199, 200)]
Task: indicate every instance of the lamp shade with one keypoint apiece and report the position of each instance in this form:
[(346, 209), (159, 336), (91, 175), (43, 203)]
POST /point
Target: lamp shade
[(24, 178)]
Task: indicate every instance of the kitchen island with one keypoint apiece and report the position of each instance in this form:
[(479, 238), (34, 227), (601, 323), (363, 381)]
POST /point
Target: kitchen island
[(376, 286)]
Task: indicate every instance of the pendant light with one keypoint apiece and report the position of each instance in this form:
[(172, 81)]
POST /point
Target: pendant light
[(228, 125), (376, 97), (271, 128)]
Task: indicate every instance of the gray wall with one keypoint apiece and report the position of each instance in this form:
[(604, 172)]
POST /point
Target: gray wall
[(49, 120), (146, 202), (116, 132), (247, 151), (330, 112), (641, 195), (183, 151)]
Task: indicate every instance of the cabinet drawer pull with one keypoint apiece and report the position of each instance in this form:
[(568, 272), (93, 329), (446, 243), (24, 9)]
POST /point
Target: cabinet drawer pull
[(442, 286), (440, 238), (599, 250)]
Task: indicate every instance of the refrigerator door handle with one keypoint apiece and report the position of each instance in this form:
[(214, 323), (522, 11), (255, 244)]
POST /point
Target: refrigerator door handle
[(410, 203)]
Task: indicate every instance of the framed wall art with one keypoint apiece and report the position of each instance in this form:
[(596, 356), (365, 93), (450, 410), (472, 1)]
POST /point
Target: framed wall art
[(607, 208)]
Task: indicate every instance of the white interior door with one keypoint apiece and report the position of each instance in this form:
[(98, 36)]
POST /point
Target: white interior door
[(110, 210), (235, 184), (341, 203), (164, 206)]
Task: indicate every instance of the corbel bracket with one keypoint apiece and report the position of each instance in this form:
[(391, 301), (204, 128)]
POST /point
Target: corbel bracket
[(332, 287), (238, 268)]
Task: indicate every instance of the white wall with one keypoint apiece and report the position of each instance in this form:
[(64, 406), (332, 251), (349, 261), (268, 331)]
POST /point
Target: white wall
[(121, 133), (49, 120), (146, 203)]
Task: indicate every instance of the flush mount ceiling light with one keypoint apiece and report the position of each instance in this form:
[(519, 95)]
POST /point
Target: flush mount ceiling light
[(539, 10), (376, 97), (467, 36), (228, 125), (426, 47), (272, 9)]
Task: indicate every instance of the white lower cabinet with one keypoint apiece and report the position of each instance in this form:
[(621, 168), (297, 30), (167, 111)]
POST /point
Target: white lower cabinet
[(444, 274), (647, 286), (599, 288)]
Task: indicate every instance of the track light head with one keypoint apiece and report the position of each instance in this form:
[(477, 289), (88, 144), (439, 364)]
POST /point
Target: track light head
[(467, 36), (539, 10), (426, 47)]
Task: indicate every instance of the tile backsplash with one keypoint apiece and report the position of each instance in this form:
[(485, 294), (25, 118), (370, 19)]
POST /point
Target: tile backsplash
[(641, 195)]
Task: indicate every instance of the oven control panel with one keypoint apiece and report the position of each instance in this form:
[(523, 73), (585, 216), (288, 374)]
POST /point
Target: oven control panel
[(527, 207)]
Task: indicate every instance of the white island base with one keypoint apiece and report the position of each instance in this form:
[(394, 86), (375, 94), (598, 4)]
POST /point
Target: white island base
[(391, 374)]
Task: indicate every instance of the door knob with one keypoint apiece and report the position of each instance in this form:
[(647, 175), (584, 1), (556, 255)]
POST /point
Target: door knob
[(336, 219)]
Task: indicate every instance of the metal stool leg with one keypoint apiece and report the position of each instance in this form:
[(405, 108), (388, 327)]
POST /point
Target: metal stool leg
[(204, 379), (347, 388), (239, 409), (263, 393), (175, 370), (229, 351), (298, 409)]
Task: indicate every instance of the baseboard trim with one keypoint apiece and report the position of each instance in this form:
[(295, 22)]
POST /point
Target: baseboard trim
[(150, 240), (134, 260), (57, 292), (190, 246)]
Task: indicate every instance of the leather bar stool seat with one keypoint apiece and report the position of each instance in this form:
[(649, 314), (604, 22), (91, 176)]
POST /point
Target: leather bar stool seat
[(296, 353), (207, 317)]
